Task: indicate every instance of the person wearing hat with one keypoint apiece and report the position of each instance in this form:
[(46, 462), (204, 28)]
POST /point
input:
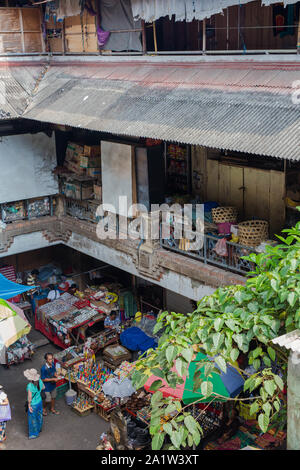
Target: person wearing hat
[(35, 403), (5, 414)]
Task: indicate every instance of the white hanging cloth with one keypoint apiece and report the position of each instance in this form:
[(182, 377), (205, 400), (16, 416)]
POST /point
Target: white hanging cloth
[(188, 10)]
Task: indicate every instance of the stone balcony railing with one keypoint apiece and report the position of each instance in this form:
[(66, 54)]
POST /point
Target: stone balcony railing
[(151, 258)]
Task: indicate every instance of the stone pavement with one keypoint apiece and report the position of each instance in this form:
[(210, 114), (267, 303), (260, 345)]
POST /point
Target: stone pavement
[(65, 431)]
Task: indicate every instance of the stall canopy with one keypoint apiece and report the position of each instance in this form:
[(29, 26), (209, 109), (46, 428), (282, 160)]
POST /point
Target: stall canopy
[(9, 289), (225, 385), (13, 325), (246, 107), (187, 10)]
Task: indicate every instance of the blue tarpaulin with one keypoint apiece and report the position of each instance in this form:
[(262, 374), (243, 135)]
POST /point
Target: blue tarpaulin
[(136, 340), (9, 289)]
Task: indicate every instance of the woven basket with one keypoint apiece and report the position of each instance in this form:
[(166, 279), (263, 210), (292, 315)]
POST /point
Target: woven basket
[(224, 214), (253, 232)]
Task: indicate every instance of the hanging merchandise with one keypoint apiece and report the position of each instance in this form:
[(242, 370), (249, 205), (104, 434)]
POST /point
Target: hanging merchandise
[(220, 247), (51, 11)]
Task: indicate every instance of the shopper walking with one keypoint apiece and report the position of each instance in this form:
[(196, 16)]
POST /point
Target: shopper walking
[(5, 414), (34, 403), (49, 377)]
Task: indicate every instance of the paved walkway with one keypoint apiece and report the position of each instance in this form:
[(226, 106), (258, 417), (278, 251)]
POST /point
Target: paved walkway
[(65, 431)]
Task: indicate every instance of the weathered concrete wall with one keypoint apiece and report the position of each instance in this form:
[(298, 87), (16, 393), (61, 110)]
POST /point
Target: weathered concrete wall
[(26, 163), (27, 242)]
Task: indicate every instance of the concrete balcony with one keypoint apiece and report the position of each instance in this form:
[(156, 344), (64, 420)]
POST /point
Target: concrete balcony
[(173, 270)]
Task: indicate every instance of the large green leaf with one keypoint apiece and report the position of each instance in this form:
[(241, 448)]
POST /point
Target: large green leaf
[(157, 441), (263, 421), (171, 353), (206, 388), (220, 361)]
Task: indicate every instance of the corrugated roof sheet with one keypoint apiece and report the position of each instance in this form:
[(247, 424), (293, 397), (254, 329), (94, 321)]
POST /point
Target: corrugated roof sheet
[(241, 108), (17, 84)]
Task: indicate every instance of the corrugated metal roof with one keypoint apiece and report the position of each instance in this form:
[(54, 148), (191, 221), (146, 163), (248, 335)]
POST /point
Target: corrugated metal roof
[(247, 109), (17, 84)]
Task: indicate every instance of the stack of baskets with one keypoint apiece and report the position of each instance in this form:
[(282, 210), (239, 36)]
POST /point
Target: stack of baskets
[(253, 232), (224, 214)]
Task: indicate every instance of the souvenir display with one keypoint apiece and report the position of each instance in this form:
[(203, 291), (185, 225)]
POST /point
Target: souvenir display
[(93, 375), (106, 402), (83, 402), (124, 369)]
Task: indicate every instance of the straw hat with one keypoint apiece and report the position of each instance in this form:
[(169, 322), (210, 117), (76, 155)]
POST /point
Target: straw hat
[(31, 374)]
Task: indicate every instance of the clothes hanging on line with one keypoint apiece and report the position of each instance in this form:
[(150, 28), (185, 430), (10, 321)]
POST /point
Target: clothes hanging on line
[(186, 10)]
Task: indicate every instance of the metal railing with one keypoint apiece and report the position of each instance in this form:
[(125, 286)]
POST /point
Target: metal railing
[(231, 258), (82, 210)]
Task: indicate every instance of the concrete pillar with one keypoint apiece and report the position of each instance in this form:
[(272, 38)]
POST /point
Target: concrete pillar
[(293, 400)]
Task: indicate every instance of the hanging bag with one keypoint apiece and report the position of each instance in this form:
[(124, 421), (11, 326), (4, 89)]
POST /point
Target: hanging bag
[(5, 413)]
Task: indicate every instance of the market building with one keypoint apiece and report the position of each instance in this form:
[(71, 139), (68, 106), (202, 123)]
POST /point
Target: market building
[(191, 106)]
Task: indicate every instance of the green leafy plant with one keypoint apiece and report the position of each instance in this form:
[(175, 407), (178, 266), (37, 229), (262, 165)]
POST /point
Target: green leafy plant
[(234, 320)]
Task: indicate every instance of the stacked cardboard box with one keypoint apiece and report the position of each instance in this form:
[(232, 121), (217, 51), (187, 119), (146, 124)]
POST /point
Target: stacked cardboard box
[(98, 192), (73, 157), (83, 159), (78, 190)]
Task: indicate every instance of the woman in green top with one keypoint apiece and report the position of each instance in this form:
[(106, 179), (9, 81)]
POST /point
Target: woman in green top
[(35, 403)]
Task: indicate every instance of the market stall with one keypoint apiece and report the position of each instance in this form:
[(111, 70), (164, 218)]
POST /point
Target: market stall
[(58, 320)]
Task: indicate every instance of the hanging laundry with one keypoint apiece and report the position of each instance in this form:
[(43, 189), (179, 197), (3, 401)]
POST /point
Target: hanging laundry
[(116, 15), (282, 18), (186, 10), (102, 36), (68, 8)]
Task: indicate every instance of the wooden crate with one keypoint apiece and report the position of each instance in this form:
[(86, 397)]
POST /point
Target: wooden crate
[(109, 365), (83, 388), (84, 412)]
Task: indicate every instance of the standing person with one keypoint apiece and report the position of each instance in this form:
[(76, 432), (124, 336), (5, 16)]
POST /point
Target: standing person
[(35, 403), (5, 414), (49, 377)]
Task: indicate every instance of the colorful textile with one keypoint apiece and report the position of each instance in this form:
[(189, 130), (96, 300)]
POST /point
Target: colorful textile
[(2, 431), (35, 420)]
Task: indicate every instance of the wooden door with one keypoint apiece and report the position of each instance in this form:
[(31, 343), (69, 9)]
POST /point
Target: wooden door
[(231, 186), (255, 192), (264, 197)]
